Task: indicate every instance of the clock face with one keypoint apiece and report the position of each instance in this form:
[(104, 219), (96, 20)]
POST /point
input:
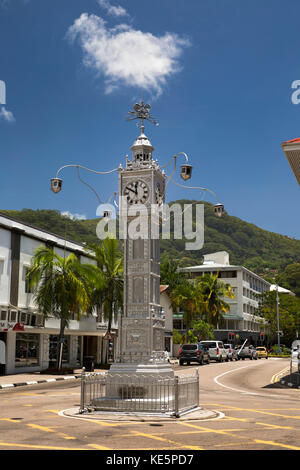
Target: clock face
[(137, 192)]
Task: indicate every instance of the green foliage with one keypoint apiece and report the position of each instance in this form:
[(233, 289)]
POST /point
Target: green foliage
[(258, 250), (202, 330), (290, 278), (289, 315)]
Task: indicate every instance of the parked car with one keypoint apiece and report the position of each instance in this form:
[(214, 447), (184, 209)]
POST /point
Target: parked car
[(246, 352), (295, 357), (262, 352), (193, 352), (232, 353), (216, 350)]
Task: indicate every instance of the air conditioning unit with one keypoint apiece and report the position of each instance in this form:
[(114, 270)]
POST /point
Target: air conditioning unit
[(4, 315), (24, 318), (13, 316)]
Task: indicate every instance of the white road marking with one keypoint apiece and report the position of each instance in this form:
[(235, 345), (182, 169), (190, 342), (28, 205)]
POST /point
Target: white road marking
[(237, 390)]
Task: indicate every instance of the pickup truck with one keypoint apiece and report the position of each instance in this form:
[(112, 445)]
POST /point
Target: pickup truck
[(246, 352)]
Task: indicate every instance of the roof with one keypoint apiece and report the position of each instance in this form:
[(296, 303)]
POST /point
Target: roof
[(10, 223), (163, 288), (281, 290), (291, 141)]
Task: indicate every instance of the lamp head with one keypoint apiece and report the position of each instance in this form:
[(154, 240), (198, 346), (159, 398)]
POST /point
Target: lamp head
[(56, 185), (186, 172), (219, 210)]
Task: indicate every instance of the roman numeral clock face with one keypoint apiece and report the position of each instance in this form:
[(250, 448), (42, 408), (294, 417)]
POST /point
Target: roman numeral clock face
[(137, 192)]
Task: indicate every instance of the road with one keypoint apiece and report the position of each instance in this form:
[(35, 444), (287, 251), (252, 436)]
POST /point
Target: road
[(255, 413)]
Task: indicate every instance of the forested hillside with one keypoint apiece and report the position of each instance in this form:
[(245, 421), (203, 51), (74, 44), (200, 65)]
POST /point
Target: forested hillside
[(259, 250)]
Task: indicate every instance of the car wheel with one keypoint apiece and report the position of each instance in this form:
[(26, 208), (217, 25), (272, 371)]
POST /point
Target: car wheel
[(181, 363), (250, 358), (208, 360), (201, 362), (266, 357), (188, 363)]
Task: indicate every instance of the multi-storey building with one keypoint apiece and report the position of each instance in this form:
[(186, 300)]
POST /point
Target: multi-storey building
[(242, 320), (30, 341)]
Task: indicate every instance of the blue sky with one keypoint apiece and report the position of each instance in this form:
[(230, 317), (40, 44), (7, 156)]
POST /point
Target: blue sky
[(217, 73)]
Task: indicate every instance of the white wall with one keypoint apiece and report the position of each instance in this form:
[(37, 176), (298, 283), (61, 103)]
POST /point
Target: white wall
[(5, 266), (27, 250)]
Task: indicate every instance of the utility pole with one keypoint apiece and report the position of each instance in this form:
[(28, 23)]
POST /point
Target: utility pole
[(278, 329)]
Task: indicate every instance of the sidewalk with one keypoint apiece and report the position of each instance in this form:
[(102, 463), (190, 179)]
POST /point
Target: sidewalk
[(33, 378), (19, 380)]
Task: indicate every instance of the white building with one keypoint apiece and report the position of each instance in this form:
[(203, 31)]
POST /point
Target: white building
[(242, 320), (30, 340)]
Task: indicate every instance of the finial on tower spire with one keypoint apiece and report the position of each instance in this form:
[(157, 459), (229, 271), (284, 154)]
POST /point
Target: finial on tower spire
[(141, 112)]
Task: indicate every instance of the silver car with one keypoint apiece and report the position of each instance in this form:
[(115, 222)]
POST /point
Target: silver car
[(231, 352)]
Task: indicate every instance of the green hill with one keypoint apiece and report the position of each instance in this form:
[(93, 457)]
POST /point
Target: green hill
[(259, 250)]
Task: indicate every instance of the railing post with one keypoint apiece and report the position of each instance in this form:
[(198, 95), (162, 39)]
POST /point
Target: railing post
[(176, 392), (82, 395), (197, 377)]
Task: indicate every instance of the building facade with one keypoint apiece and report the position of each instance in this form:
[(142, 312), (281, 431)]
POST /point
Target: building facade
[(242, 320), (29, 340)]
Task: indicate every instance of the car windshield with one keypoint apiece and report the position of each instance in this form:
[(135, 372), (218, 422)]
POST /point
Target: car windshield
[(189, 347), (209, 345), (227, 346), (260, 348)]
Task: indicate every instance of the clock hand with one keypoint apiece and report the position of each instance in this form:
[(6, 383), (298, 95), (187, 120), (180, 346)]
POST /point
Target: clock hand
[(135, 192)]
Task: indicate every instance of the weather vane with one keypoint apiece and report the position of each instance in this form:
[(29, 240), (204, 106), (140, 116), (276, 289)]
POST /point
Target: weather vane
[(142, 112)]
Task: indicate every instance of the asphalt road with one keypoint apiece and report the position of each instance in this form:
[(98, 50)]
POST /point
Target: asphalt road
[(255, 413)]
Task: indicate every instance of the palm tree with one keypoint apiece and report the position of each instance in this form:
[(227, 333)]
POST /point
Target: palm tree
[(211, 291), (185, 296), (107, 286), (61, 286)]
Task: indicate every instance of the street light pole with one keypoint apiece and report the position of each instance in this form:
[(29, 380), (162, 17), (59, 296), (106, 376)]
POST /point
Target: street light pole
[(278, 329)]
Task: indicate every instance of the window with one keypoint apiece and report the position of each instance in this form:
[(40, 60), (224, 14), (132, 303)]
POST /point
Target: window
[(27, 350), (53, 350), (28, 289)]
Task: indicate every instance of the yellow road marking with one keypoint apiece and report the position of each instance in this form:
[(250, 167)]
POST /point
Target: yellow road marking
[(157, 438), (228, 418), (276, 377), (277, 444), (96, 446), (234, 408), (10, 444), (45, 429), (10, 420), (216, 431)]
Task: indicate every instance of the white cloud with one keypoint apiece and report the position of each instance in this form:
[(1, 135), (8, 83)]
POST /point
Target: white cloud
[(73, 216), (6, 115), (125, 56), (112, 10)]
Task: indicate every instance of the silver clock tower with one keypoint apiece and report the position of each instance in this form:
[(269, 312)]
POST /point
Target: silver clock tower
[(142, 326)]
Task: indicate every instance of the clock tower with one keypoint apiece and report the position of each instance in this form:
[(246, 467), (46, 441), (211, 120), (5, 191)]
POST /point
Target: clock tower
[(141, 341)]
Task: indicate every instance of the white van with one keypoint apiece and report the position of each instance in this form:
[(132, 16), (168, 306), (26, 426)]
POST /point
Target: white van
[(216, 350)]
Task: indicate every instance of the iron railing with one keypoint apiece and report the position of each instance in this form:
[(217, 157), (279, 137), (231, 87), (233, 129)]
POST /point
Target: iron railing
[(139, 393)]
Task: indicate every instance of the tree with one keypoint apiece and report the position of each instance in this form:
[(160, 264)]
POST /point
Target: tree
[(60, 287), (290, 278), (211, 292), (107, 286), (289, 314), (202, 330), (184, 296), (169, 273)]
